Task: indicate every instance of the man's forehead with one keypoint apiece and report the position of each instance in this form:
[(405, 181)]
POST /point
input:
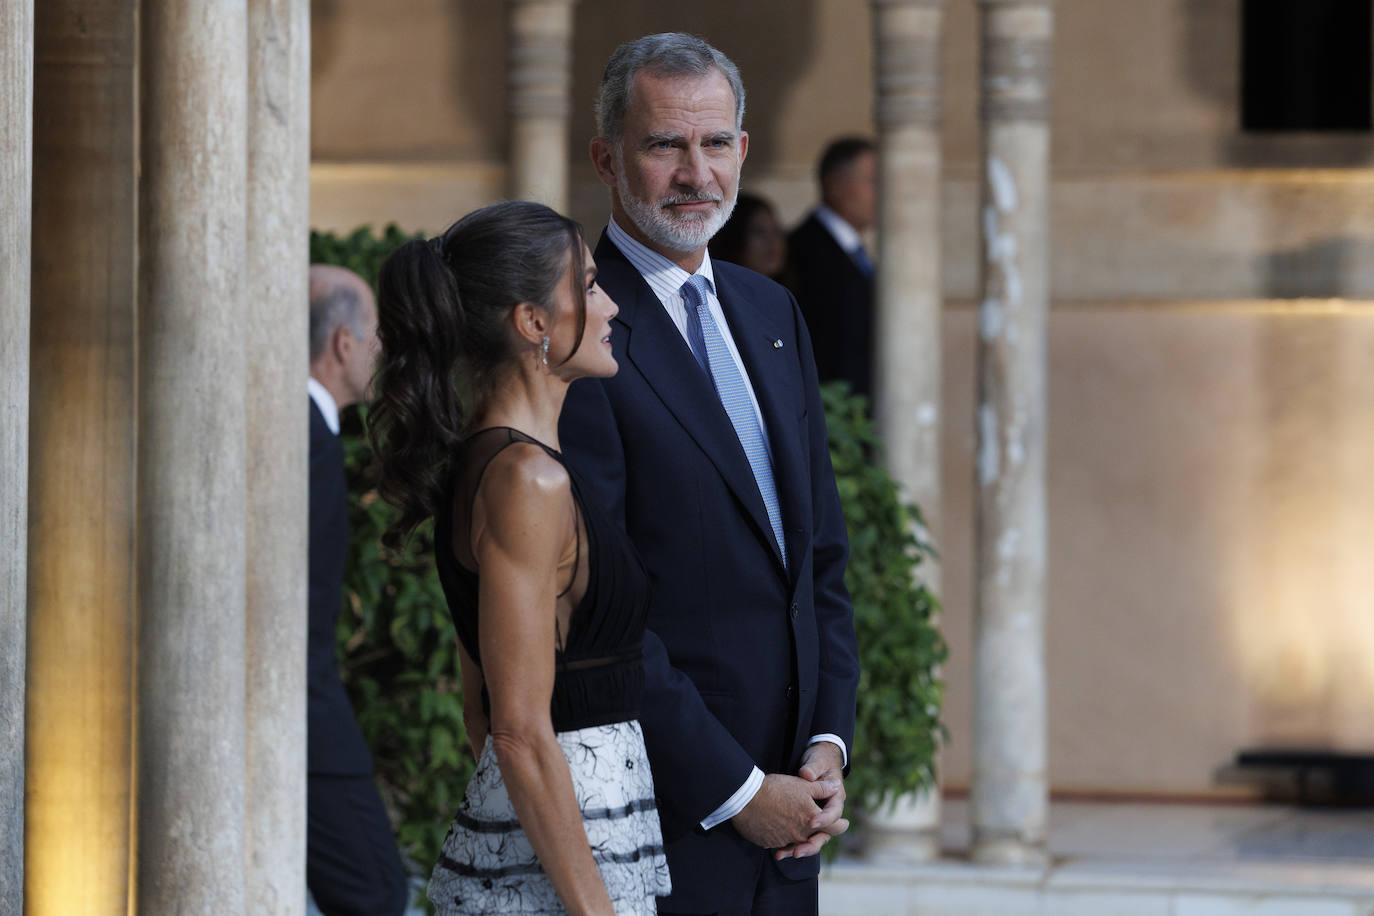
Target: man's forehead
[(653, 91)]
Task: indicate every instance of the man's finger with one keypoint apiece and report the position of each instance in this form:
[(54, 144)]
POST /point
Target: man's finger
[(834, 807), (824, 788), (811, 846), (813, 772)]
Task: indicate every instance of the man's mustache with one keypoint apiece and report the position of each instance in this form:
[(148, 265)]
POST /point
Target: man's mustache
[(699, 197)]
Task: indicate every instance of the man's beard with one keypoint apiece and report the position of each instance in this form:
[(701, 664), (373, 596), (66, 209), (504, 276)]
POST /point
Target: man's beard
[(676, 232)]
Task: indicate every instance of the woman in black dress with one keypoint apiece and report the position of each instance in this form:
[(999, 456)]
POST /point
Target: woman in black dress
[(548, 598)]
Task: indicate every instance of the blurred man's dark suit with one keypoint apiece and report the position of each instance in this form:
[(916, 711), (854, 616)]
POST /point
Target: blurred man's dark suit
[(352, 864), (836, 297)]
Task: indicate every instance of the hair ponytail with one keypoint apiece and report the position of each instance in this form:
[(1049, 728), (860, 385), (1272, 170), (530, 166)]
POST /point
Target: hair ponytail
[(415, 422), (443, 310)]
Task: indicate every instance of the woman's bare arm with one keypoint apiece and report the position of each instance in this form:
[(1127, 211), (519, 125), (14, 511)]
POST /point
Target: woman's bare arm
[(523, 521)]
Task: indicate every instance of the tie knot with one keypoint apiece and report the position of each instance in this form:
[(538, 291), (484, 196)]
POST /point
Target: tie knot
[(694, 291)]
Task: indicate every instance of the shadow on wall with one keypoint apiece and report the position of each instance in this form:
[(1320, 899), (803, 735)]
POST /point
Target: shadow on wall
[(1210, 36), (462, 102), (1319, 270), (768, 67)]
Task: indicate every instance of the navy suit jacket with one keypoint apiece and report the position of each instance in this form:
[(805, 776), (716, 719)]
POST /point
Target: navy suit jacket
[(745, 658), (334, 746)]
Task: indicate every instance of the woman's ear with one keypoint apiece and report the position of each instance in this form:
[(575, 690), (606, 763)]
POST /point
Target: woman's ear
[(531, 322)]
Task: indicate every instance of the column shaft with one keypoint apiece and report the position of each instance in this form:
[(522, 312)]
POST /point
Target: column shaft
[(191, 451), (81, 499), (539, 82), (275, 335), (909, 305), (1009, 799), (16, 189)]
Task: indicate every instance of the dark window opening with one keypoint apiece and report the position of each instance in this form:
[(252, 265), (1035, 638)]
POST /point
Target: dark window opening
[(1305, 65)]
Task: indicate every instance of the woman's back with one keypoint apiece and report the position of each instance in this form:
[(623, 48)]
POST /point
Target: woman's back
[(603, 589)]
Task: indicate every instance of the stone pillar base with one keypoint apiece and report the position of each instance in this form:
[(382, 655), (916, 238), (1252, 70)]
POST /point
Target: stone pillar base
[(907, 834), (1010, 852)]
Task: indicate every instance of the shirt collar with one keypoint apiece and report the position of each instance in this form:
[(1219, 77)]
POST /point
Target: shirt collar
[(663, 276), (325, 402), (846, 235)]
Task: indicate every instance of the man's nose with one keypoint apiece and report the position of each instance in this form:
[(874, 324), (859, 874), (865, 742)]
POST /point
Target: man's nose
[(692, 170)]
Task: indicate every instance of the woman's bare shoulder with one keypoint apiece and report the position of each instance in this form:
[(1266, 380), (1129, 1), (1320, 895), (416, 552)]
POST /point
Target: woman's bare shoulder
[(523, 486)]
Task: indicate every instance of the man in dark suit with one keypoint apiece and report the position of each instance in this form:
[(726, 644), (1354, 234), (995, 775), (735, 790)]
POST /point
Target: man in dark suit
[(709, 444), (829, 269), (352, 863)]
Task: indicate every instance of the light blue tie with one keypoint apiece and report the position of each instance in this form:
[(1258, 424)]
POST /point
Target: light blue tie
[(734, 396)]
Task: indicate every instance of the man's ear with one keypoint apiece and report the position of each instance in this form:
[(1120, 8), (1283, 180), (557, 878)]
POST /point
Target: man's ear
[(743, 145), (603, 160), (531, 322), (341, 342)]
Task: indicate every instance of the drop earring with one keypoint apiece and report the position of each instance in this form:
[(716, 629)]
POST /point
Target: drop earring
[(544, 350)]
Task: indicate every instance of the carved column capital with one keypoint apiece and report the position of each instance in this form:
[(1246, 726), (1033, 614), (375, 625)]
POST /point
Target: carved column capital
[(1017, 44), (539, 57), (906, 38)]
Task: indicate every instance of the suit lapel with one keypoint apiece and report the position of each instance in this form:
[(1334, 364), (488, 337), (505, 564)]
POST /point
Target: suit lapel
[(653, 344)]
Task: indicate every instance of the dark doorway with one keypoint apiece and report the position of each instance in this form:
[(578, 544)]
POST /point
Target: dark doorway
[(1305, 65)]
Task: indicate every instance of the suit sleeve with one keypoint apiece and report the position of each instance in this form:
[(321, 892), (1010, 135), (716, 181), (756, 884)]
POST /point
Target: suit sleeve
[(698, 765), (837, 684)]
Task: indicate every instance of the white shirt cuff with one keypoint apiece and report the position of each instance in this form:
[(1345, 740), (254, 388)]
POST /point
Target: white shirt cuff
[(735, 803), (835, 740)]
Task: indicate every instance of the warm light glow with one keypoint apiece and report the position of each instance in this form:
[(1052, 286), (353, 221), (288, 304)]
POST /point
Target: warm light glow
[(1301, 580), (80, 635)]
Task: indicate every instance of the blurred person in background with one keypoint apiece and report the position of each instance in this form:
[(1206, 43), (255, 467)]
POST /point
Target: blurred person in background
[(753, 238), (830, 271)]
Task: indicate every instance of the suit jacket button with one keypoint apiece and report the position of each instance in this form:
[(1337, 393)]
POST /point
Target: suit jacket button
[(794, 610), (791, 691)]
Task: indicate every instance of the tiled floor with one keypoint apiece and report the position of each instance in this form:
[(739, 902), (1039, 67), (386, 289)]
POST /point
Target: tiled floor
[(1220, 833), (1137, 860)]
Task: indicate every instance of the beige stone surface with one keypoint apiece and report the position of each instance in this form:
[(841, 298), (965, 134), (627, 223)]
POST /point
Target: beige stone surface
[(278, 486), (539, 80), (1008, 800), (1210, 505), (191, 458), (16, 187), (1137, 85), (81, 490), (908, 309)]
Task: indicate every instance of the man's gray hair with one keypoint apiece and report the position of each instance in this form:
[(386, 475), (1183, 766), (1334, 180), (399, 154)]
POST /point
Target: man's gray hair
[(339, 305), (665, 54)]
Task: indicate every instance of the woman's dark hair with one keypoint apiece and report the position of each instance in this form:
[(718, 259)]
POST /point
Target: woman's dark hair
[(728, 243), (443, 309)]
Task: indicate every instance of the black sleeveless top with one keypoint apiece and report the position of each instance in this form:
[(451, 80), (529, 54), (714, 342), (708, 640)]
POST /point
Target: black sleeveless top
[(598, 668)]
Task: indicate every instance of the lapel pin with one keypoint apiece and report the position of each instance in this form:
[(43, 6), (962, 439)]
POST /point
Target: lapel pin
[(777, 344)]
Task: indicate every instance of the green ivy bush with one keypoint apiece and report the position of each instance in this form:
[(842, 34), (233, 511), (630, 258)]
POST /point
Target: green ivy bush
[(397, 645)]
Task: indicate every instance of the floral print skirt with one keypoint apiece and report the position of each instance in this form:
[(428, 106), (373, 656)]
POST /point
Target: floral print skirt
[(488, 866)]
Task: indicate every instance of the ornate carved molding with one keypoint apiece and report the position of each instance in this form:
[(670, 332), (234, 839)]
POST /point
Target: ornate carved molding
[(907, 62), (1015, 75)]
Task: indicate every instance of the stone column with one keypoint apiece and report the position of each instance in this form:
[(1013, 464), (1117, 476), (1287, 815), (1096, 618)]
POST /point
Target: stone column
[(16, 188), (81, 488), (1009, 796), (276, 335), (540, 78), (191, 452), (906, 36)]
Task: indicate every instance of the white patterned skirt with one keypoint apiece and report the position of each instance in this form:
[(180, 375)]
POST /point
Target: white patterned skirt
[(488, 866)]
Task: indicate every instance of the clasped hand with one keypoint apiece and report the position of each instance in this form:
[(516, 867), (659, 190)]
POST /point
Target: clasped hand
[(796, 815)]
